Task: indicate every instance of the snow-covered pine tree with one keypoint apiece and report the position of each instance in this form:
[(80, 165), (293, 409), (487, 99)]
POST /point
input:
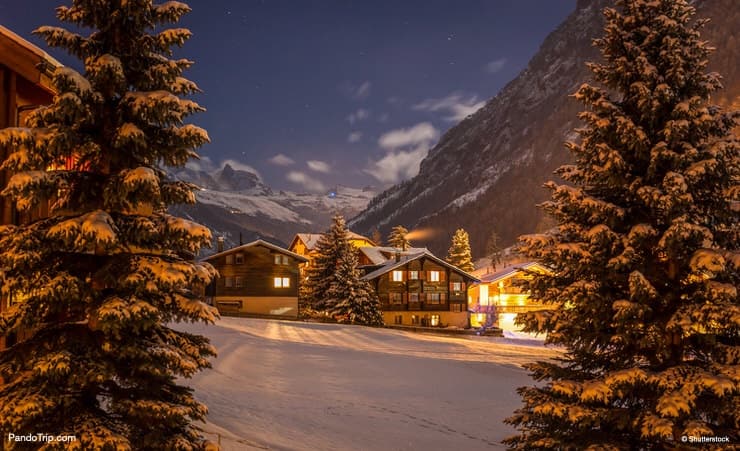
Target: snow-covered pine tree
[(397, 238), (459, 252), (321, 273), (96, 283), (493, 250), (645, 261), (352, 300)]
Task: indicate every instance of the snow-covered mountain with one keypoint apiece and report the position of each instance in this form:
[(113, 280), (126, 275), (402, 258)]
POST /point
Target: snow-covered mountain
[(486, 173), (234, 199)]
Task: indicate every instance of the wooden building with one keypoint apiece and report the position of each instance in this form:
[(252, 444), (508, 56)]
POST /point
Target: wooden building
[(417, 288), (25, 84), (257, 278), (498, 298)]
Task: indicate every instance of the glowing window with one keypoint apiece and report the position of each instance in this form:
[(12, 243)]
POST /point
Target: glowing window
[(281, 282), (413, 275), (397, 276), (456, 286), (434, 276)]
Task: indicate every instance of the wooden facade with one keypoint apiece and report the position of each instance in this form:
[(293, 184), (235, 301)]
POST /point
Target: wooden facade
[(258, 278), (499, 297), (25, 84), (422, 290)]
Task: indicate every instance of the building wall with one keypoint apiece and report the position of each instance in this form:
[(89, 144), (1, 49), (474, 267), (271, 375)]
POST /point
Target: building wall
[(254, 305), (410, 318), (257, 273)]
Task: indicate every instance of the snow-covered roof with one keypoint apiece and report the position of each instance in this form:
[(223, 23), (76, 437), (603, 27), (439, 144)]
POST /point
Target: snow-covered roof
[(379, 255), (392, 264), (310, 239), (262, 243), (509, 271), (20, 42)]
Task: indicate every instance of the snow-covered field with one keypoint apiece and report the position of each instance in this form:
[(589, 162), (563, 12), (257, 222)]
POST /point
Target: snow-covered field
[(306, 386)]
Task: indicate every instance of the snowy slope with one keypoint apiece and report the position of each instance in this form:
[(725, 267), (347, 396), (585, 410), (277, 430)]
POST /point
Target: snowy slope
[(486, 173), (304, 386), (236, 200)]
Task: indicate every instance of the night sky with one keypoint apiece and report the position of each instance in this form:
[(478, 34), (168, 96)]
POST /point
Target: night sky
[(318, 93)]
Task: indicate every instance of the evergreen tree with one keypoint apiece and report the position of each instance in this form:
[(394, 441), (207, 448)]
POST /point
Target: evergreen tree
[(459, 252), (352, 300), (493, 250), (97, 282), (397, 238), (645, 261), (321, 273)]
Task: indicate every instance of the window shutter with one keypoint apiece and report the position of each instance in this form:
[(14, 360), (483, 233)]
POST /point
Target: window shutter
[(405, 297)]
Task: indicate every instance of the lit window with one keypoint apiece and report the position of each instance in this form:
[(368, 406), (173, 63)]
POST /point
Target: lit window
[(434, 298), (238, 282), (456, 286), (230, 259), (277, 259), (239, 259), (397, 276), (285, 260), (434, 276), (282, 282), (435, 320), (413, 275), (228, 282)]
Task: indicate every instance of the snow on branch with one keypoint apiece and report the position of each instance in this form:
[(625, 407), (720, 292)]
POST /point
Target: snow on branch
[(170, 11)]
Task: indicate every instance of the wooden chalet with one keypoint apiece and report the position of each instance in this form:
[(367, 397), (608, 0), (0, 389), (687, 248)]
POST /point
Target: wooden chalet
[(25, 84), (417, 288), (498, 298), (257, 278)]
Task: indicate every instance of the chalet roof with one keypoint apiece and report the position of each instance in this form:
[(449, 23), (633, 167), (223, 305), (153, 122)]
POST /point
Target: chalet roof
[(509, 271), (392, 264), (20, 50), (379, 255), (262, 243), (310, 239)]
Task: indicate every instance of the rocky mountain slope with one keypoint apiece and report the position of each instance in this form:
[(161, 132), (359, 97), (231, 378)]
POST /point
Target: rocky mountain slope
[(236, 201), (486, 173)]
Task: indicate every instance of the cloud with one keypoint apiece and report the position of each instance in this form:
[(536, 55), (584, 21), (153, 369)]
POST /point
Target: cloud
[(496, 65), (456, 104), (397, 166), (363, 90), (200, 164), (318, 166), (281, 160), (354, 137), (422, 133), (406, 148), (355, 91), (306, 181), (358, 115)]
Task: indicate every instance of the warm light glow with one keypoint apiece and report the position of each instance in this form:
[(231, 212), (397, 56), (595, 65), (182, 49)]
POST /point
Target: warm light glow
[(483, 296), (501, 284), (422, 234), (434, 276), (397, 276), (281, 282), (435, 320)]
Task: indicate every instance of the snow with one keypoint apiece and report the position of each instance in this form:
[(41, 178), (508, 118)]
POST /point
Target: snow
[(292, 385)]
